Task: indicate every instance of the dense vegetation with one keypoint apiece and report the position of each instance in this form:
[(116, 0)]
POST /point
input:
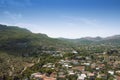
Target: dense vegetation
[(25, 43), (20, 48), (22, 52)]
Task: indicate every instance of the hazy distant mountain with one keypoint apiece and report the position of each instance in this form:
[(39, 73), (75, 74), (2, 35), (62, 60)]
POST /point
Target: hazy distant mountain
[(95, 40), (112, 37)]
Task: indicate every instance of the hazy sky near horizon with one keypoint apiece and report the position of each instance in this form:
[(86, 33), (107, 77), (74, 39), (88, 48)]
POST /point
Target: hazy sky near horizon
[(63, 18)]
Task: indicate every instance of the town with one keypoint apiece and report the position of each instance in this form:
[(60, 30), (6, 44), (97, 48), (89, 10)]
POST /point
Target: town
[(78, 65)]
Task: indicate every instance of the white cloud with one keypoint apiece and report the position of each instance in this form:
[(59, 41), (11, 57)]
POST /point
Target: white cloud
[(19, 3), (92, 22), (12, 16), (80, 21)]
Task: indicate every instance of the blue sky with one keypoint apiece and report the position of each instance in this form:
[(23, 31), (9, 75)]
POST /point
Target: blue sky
[(63, 18)]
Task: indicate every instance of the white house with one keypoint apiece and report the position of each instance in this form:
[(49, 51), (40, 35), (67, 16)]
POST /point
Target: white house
[(81, 77)]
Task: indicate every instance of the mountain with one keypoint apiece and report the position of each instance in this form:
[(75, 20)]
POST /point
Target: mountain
[(112, 37), (20, 41), (113, 40), (93, 38), (83, 41), (23, 42)]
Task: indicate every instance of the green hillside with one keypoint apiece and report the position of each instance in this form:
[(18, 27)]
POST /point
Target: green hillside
[(23, 42)]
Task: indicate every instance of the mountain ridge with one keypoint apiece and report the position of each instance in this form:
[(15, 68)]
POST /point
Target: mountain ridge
[(24, 41)]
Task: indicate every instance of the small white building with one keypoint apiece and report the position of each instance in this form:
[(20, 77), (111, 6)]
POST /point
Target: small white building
[(71, 72), (87, 64), (81, 77), (75, 52), (111, 72)]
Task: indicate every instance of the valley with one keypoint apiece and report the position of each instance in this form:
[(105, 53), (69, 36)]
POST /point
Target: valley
[(28, 56)]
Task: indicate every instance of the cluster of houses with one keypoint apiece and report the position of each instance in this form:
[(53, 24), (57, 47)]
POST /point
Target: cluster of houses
[(39, 76), (104, 67)]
